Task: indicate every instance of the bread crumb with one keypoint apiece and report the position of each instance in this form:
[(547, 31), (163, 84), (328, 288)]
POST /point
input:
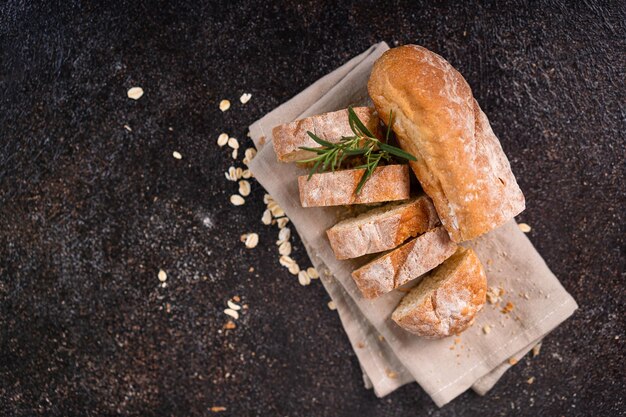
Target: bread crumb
[(236, 298), (177, 155), (451, 347), (135, 93), (168, 307), (530, 380), (230, 325), (508, 307), (217, 408), (224, 105), (251, 269), (457, 340), (493, 295), (391, 374), (360, 345), (486, 329), (524, 227), (381, 337), (512, 361), (536, 349)]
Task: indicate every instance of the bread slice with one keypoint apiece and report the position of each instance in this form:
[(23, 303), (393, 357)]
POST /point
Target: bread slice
[(387, 183), (382, 228), (446, 301), (288, 137), (404, 264)]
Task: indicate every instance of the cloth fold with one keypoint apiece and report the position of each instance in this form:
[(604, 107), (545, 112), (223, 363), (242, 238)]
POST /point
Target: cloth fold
[(389, 356)]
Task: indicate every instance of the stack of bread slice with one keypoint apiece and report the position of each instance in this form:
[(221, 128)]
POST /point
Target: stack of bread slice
[(404, 235)]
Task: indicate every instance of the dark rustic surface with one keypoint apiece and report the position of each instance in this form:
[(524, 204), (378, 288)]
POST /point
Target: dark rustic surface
[(89, 212)]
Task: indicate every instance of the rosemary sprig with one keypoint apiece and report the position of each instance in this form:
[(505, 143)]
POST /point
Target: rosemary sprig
[(363, 144)]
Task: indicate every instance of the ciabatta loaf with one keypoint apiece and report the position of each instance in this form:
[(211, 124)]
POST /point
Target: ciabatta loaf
[(404, 264), (446, 300), (460, 163), (288, 137), (382, 228), (387, 183)]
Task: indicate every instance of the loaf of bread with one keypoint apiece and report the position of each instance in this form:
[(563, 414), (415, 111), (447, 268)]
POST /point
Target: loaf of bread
[(288, 137), (460, 163), (382, 228), (404, 264), (446, 301), (387, 183)]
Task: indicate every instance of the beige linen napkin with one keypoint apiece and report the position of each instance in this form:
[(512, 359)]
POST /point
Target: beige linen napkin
[(390, 356)]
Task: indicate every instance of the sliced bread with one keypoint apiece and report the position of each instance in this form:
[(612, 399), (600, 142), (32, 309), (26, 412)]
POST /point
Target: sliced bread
[(288, 137), (446, 301), (387, 183), (404, 264), (382, 228)]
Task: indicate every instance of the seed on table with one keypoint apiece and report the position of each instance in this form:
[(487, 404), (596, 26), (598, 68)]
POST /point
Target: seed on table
[(162, 275), (245, 97), (237, 200), (135, 93), (232, 313), (312, 272), (222, 139), (524, 227), (294, 269), (284, 234), (224, 105), (285, 248), (177, 155), (234, 154), (252, 240), (244, 188), (233, 143), (267, 217), (303, 278), (233, 306)]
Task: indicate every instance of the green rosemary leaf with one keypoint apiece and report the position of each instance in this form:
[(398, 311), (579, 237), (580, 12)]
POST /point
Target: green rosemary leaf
[(397, 152), (314, 169), (355, 121), (319, 140)]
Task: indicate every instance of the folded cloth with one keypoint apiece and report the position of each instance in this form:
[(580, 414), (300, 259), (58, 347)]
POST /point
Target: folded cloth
[(533, 302)]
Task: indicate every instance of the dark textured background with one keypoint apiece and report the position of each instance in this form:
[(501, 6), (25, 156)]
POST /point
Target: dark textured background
[(89, 212)]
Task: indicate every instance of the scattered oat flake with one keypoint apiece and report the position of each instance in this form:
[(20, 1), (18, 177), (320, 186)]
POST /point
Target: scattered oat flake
[(267, 198), (128, 128), (303, 278), (232, 313), (286, 261), (245, 97), (244, 188), (530, 380), (524, 227), (217, 408), (267, 217), (249, 155), (252, 239), (232, 173), (222, 139), (312, 272), (238, 173), (224, 105), (233, 306), (391, 374), (246, 174), (294, 269), (332, 305), (486, 329), (235, 153), (284, 234), (233, 143), (282, 222), (162, 275), (237, 200), (230, 325), (135, 93), (536, 349), (285, 248)]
